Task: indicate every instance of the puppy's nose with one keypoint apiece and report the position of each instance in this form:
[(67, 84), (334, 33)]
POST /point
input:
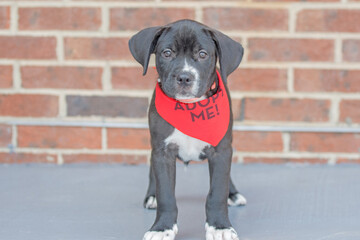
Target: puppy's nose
[(184, 79)]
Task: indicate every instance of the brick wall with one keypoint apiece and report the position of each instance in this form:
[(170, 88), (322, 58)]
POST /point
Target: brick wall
[(71, 92)]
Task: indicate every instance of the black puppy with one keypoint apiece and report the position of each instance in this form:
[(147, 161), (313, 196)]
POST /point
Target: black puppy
[(190, 118)]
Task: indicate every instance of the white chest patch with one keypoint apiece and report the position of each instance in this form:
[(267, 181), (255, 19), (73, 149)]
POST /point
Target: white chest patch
[(190, 148)]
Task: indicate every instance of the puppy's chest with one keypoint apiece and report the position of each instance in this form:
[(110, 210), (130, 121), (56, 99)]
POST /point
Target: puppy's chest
[(189, 148)]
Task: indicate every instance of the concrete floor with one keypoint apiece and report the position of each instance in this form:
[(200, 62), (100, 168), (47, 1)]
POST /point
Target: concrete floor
[(104, 202)]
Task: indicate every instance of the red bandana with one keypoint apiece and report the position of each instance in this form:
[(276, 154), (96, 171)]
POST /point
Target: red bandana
[(206, 120)]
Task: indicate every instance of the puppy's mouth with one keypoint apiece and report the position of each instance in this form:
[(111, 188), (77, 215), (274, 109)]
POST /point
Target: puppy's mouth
[(186, 94), (188, 99)]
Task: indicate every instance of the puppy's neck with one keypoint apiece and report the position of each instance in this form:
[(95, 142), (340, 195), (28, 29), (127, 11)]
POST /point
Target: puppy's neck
[(214, 87)]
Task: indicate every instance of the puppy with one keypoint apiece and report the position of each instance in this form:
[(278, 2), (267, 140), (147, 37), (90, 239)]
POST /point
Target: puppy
[(190, 118)]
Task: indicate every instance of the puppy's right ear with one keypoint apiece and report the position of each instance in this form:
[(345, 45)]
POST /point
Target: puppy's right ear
[(143, 44)]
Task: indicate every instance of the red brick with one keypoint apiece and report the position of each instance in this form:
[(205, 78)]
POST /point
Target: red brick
[(290, 50), (20, 47), (6, 76), (27, 158), (328, 20), (324, 80), (282, 109), (128, 138), (236, 108), (4, 17), (350, 111), (269, 160), (59, 137), (119, 17), (132, 78), (111, 106), (257, 141), (5, 135), (348, 160), (325, 142), (105, 158), (247, 19), (28, 105), (72, 18), (61, 77), (258, 79), (351, 50), (97, 48)]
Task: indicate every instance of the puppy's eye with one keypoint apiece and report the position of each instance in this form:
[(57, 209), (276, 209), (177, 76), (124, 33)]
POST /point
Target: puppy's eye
[(203, 54), (167, 53)]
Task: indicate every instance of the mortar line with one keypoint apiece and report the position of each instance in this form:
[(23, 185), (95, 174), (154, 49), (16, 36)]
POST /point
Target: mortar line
[(104, 145), (60, 159), (244, 64), (60, 48), (105, 17), (148, 159), (162, 4), (297, 155), (106, 78), (299, 127), (62, 106), (332, 160), (13, 18), (286, 142), (148, 93), (93, 121), (199, 14), (17, 83), (239, 157), (334, 110), (232, 33), (63, 151), (156, 3), (245, 44), (292, 20), (81, 92), (128, 34), (14, 137), (290, 80), (338, 50)]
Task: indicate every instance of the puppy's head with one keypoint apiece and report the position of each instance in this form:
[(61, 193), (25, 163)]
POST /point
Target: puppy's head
[(186, 55)]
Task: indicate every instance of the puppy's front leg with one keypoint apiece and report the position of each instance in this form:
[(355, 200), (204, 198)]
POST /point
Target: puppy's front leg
[(218, 225), (164, 167)]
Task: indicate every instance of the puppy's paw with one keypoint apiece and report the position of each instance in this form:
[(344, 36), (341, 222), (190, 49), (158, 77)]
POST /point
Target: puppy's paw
[(168, 234), (236, 200), (220, 234), (150, 203)]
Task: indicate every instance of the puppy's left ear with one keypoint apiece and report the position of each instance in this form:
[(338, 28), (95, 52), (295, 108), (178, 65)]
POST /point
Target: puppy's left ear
[(229, 51), (143, 44)]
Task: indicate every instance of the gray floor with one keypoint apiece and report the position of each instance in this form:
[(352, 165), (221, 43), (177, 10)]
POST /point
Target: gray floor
[(287, 202)]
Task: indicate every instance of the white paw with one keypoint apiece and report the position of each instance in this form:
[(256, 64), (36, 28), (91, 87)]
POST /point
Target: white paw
[(238, 200), (165, 235), (220, 234), (151, 203)]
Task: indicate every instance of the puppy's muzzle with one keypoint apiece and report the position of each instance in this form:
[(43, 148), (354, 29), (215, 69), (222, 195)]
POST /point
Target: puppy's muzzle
[(185, 79)]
